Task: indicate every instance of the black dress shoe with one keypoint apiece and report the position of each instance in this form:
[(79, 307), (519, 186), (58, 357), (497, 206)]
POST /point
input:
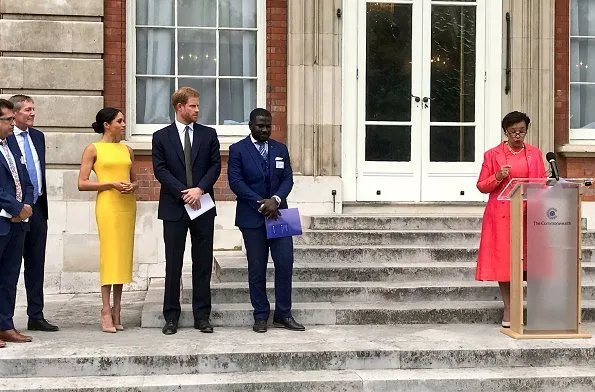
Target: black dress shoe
[(203, 326), (170, 328), (260, 326), (288, 323), (41, 325)]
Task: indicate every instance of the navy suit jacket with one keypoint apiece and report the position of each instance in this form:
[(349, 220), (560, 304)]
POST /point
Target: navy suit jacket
[(38, 139), (246, 178), (8, 190), (170, 170)]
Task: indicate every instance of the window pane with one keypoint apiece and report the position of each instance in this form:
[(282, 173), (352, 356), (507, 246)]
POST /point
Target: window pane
[(582, 17), (582, 60), (388, 62), (388, 143), (154, 51), (237, 13), (582, 114), (197, 13), (237, 53), (237, 99), (155, 12), (197, 53), (453, 64), (153, 100), (207, 100), (452, 144)]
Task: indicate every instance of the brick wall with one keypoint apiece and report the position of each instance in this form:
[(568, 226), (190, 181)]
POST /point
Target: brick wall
[(115, 85), (561, 80), (277, 66), (149, 187), (571, 166), (114, 54)]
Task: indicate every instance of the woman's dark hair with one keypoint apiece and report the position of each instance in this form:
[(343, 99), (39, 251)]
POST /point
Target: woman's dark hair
[(513, 118), (105, 115)]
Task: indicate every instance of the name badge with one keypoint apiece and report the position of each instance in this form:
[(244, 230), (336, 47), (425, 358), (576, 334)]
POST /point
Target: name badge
[(279, 164)]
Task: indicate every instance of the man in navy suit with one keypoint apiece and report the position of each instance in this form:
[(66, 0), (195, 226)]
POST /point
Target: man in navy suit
[(16, 199), (259, 173), (31, 143), (187, 163)]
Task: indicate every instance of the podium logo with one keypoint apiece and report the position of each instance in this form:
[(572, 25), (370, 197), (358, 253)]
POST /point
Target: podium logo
[(552, 213), (552, 216)]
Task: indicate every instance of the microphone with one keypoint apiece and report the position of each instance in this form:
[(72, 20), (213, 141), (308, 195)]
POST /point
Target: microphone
[(551, 158)]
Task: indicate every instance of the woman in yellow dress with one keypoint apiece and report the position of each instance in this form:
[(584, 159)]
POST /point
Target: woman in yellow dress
[(115, 209)]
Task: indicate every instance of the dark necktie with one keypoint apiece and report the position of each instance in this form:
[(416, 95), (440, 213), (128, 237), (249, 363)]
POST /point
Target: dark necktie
[(188, 156)]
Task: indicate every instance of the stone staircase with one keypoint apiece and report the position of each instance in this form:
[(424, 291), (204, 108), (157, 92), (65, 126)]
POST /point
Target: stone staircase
[(353, 270), (390, 305)]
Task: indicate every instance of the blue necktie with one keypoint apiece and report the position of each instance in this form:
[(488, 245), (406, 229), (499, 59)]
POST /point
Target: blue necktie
[(262, 149), (30, 163)]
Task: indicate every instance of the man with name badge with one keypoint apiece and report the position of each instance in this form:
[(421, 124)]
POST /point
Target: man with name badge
[(259, 173)]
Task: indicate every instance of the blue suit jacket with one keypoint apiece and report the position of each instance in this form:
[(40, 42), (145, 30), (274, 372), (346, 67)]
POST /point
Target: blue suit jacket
[(8, 190), (170, 170), (247, 179), (38, 139)]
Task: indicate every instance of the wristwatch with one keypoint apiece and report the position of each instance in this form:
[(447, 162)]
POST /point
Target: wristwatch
[(278, 199)]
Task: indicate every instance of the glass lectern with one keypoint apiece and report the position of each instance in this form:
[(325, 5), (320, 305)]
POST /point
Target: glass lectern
[(550, 213)]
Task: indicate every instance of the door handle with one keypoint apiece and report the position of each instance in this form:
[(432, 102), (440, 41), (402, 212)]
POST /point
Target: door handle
[(426, 100), (417, 99)]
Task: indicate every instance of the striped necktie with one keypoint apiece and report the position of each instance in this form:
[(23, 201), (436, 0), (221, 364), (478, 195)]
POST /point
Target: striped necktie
[(13, 170)]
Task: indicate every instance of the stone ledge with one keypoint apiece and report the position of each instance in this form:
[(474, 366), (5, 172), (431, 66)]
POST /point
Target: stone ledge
[(52, 7), (577, 150)]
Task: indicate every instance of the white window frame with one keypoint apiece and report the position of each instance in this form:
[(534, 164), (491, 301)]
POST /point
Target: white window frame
[(227, 133), (579, 135)]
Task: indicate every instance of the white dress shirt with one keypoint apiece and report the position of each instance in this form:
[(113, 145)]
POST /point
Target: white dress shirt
[(182, 129), (17, 133), (256, 144)]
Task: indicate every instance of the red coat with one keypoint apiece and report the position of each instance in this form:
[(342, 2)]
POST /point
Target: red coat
[(493, 262)]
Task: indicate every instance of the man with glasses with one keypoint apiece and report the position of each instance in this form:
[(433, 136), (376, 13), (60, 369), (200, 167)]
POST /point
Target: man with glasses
[(16, 199), (31, 143)]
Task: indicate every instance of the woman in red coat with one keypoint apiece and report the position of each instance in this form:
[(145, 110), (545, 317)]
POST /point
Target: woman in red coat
[(512, 158)]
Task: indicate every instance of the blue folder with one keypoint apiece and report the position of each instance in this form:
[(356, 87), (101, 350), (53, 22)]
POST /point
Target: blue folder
[(286, 225)]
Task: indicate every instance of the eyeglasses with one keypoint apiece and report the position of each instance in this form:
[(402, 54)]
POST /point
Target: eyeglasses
[(512, 131), (10, 119)]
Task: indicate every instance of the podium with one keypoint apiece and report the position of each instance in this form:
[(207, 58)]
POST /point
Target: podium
[(545, 236)]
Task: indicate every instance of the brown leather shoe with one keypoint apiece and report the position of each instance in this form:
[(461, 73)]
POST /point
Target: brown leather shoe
[(13, 336)]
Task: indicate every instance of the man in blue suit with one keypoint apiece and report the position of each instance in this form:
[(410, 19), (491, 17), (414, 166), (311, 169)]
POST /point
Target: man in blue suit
[(31, 143), (187, 163), (16, 199), (259, 173)]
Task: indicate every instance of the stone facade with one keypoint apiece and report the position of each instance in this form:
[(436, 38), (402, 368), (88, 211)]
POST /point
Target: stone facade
[(71, 57)]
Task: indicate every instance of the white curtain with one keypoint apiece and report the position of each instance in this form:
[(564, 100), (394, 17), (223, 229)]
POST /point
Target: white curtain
[(582, 64), (196, 58), (237, 54), (155, 57)]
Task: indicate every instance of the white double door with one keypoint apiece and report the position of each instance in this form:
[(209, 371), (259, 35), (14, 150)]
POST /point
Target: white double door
[(421, 80)]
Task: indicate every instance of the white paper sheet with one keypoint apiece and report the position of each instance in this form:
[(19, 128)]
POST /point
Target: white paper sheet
[(206, 204)]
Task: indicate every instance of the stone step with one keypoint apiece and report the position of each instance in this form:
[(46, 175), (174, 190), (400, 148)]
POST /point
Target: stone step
[(383, 222), (497, 379), (147, 352), (235, 270), (401, 237), (399, 222), (272, 381), (394, 254), (237, 292), (352, 313)]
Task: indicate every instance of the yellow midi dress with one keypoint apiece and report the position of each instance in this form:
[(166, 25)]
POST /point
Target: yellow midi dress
[(115, 214)]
